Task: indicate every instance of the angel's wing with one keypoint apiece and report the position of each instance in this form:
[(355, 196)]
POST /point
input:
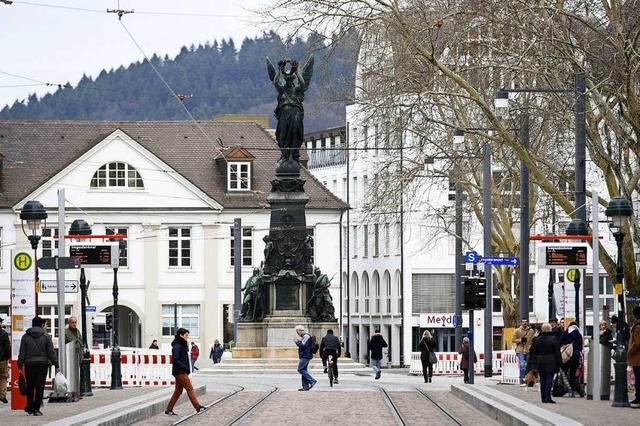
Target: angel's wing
[(271, 69), (307, 72)]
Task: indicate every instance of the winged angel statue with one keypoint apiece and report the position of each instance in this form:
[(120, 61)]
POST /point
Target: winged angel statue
[(291, 85)]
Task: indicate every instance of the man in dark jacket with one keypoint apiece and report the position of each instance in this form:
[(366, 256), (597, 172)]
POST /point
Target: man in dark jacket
[(303, 342), (545, 355), (330, 345), (5, 356), (36, 355), (376, 343)]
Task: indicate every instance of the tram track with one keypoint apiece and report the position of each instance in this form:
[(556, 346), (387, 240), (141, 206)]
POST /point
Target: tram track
[(402, 405)]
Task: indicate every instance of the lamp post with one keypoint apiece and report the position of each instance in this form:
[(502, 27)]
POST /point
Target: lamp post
[(619, 211), (577, 227), (116, 359), (81, 227), (33, 213)]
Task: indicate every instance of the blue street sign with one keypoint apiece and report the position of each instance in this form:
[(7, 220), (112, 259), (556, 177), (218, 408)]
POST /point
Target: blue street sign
[(90, 308), (471, 257), (455, 321), (507, 261)]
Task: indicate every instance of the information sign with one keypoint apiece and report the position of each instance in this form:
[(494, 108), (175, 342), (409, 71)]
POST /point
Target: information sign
[(103, 255), (561, 256)]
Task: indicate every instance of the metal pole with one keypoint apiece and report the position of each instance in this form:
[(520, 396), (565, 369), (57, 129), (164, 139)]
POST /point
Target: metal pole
[(458, 265), (116, 361), (595, 346), (524, 221), (237, 275), (580, 146), (471, 348), (347, 345), (60, 282), (487, 217), (85, 363), (620, 396)]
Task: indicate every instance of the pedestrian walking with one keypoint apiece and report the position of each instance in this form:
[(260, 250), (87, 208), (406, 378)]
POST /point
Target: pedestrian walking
[(633, 354), (303, 342), (195, 353), (216, 352), (464, 361), (427, 346), (330, 345), (36, 355), (572, 336), (5, 357), (181, 370), (376, 343), (523, 338), (545, 355)]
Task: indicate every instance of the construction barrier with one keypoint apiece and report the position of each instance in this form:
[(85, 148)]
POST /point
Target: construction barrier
[(139, 367), (449, 363)]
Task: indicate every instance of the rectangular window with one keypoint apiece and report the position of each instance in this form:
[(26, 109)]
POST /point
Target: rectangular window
[(344, 189), (398, 238), (354, 240), (239, 176), (179, 247), (124, 250), (365, 138), (376, 139), (376, 240), (354, 192), (387, 239), (345, 241), (175, 316), (365, 241), (247, 247), (50, 314), (49, 242)]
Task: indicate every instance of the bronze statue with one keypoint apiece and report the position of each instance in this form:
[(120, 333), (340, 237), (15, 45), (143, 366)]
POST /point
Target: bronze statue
[(291, 84), (253, 301), (320, 305)]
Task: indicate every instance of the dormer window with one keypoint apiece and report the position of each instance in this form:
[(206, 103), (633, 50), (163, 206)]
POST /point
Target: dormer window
[(238, 176), (117, 175)]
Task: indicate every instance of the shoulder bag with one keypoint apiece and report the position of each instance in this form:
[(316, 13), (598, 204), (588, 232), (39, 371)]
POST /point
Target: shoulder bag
[(567, 352), (433, 358)]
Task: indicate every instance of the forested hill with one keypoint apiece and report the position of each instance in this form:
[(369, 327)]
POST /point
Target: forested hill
[(216, 78)]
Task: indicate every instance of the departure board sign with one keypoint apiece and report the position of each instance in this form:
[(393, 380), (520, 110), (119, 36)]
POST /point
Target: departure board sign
[(104, 255), (557, 256)]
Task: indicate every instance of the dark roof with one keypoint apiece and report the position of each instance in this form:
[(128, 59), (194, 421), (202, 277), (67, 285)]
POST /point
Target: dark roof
[(34, 151)]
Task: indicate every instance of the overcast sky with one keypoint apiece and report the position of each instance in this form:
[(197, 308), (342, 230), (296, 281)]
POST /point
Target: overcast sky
[(57, 41)]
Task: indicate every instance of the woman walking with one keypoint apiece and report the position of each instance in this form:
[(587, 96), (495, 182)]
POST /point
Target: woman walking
[(464, 362), (181, 369), (545, 355), (427, 347)]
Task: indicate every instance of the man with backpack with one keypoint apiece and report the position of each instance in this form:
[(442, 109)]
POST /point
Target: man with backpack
[(304, 341), (330, 345), (376, 343)]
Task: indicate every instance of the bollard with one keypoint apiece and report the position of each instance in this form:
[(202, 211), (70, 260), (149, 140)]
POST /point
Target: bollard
[(605, 364), (588, 342)]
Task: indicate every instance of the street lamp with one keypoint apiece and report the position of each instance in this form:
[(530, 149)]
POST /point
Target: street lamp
[(577, 227), (33, 212), (81, 227), (116, 359), (619, 211)]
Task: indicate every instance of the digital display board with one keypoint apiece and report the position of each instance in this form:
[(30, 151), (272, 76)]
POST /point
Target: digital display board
[(96, 255), (566, 256)]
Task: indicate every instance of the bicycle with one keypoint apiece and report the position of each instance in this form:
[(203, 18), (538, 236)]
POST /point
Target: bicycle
[(330, 369)]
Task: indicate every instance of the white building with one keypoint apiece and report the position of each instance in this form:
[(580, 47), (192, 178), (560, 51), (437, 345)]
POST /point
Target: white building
[(174, 188)]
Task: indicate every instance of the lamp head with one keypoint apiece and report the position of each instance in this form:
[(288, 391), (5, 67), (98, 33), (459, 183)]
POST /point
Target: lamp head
[(501, 103), (577, 227), (33, 213), (619, 210), (79, 227)]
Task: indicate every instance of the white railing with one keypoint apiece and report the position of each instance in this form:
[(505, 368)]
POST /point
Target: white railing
[(449, 363)]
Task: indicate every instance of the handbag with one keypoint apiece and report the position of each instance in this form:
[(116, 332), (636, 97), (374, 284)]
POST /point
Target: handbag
[(22, 384), (567, 352), (433, 358)]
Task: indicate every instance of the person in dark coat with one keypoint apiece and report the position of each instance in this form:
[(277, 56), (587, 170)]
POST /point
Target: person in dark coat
[(216, 352), (180, 370), (330, 345), (572, 336), (426, 346), (545, 355), (376, 343), (464, 361), (5, 357), (555, 328), (154, 345), (36, 355)]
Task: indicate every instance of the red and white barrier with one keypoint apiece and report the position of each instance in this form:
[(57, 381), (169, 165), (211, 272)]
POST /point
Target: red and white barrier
[(449, 363), (139, 367)]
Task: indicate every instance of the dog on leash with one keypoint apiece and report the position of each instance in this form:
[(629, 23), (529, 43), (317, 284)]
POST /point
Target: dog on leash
[(531, 379)]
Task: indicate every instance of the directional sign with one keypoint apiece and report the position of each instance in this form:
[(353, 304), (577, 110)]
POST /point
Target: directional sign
[(51, 286), (58, 263), (501, 261), (471, 257), (90, 309)]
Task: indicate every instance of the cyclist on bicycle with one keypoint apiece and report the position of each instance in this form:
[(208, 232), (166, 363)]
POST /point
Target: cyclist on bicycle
[(330, 345)]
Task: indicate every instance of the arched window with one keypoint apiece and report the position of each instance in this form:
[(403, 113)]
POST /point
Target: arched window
[(367, 292), (117, 175)]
